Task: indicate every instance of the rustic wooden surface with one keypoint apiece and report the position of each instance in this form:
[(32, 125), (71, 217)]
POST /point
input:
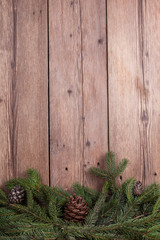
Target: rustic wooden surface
[(69, 90), (78, 90), (94, 86), (66, 119), (23, 88), (133, 71)]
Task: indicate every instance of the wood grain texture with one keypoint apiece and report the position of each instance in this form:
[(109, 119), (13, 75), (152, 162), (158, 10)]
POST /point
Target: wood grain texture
[(24, 88), (134, 53), (66, 124), (93, 22)]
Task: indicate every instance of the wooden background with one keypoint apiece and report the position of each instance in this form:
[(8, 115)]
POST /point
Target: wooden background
[(79, 77)]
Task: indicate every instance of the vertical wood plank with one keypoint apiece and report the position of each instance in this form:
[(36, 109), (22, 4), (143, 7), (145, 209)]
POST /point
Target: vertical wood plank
[(123, 70), (93, 21), (133, 53), (66, 125), (150, 15), (5, 72), (24, 88)]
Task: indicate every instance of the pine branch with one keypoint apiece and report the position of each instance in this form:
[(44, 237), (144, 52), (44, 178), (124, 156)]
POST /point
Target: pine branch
[(3, 196), (94, 214), (156, 206), (34, 177), (110, 161), (114, 212), (121, 167), (79, 190), (36, 212), (98, 172), (128, 188)]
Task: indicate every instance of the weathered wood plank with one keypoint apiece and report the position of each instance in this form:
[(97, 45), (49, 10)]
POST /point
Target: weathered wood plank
[(66, 125), (150, 15), (133, 53), (93, 21), (24, 88)]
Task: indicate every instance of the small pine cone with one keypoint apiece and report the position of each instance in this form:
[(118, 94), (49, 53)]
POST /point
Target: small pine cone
[(16, 195), (76, 209), (138, 188)]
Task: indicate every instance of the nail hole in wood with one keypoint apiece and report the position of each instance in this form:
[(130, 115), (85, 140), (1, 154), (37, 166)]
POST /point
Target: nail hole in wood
[(120, 177), (98, 163), (12, 64), (69, 91), (100, 41), (155, 174), (33, 13), (88, 144), (66, 168), (40, 11), (64, 145), (70, 35)]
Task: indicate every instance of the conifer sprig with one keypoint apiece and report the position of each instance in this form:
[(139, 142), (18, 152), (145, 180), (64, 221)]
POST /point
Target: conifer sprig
[(115, 213)]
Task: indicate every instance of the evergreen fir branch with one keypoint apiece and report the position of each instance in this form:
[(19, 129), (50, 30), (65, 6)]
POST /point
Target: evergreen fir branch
[(109, 207), (113, 214), (36, 212), (88, 194), (92, 192), (94, 214), (148, 192), (121, 167), (110, 161), (102, 236), (52, 210), (34, 177), (91, 196), (98, 172), (156, 206), (79, 190), (55, 211), (30, 200), (60, 192), (23, 182), (3, 196), (3, 202), (139, 200), (39, 194), (128, 188)]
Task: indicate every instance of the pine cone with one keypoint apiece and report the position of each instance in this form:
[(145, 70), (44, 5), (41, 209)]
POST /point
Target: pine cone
[(137, 189), (76, 209), (16, 195)]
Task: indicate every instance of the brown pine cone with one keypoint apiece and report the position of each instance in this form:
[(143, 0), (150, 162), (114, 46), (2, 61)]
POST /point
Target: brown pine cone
[(76, 209), (16, 195), (138, 188)]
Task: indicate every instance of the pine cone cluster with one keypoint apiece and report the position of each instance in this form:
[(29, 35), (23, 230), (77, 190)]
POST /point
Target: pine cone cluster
[(16, 194), (76, 209), (138, 188)]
